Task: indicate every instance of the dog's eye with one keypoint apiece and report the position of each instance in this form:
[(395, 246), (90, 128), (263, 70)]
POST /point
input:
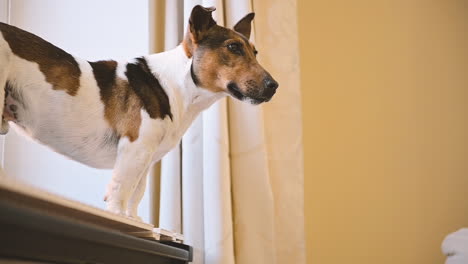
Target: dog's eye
[(235, 48)]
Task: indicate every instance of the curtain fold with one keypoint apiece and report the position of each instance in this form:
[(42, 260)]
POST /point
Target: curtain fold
[(232, 206), (193, 190), (170, 203), (277, 38), (219, 244), (207, 142), (252, 195), (170, 212)]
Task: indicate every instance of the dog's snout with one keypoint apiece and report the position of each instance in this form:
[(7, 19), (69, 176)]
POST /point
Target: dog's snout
[(270, 83), (270, 87)]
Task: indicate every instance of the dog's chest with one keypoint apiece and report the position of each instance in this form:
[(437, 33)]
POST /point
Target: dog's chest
[(173, 131)]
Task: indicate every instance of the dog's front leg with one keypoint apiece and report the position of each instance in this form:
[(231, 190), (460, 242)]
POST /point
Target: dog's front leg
[(137, 195), (132, 164)]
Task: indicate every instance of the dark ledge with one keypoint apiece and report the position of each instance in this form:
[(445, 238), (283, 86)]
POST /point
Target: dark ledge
[(29, 234)]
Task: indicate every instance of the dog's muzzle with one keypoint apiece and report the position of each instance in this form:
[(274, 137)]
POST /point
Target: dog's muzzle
[(257, 97)]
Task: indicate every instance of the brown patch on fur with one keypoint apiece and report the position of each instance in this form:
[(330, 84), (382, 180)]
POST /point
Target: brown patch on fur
[(123, 110), (59, 68), (123, 100), (122, 107), (187, 44), (244, 25)]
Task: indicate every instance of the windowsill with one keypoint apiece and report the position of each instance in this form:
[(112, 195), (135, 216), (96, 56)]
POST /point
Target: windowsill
[(39, 226)]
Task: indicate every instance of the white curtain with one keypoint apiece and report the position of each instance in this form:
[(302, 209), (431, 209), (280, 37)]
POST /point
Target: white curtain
[(217, 187)]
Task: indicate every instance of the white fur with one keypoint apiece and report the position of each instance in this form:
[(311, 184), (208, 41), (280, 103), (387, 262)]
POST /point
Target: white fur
[(75, 125)]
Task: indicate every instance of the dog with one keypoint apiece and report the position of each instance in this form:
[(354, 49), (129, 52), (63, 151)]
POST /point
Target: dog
[(126, 115)]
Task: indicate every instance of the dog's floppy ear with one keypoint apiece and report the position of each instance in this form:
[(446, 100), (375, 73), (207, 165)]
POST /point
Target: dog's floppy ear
[(244, 26), (200, 21)]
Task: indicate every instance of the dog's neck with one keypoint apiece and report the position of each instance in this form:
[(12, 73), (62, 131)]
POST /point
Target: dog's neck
[(173, 69)]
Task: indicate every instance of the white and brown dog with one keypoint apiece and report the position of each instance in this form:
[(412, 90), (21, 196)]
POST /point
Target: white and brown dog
[(125, 115)]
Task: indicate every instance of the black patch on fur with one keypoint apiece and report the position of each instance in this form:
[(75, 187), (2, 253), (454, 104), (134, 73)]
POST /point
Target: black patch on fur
[(195, 79), (219, 36), (105, 75), (216, 39), (7, 92), (148, 89)]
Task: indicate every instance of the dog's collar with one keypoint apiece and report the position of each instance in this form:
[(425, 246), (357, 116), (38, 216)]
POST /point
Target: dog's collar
[(194, 76)]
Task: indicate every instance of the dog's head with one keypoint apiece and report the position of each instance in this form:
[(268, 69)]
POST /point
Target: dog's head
[(224, 60)]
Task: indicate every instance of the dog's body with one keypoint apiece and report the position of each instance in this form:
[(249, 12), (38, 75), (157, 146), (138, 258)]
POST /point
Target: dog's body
[(120, 115), (76, 127)]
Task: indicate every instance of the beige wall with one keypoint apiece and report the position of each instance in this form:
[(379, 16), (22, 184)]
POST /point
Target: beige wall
[(385, 97)]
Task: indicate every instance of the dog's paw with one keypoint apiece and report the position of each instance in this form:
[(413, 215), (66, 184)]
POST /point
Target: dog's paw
[(116, 208), (136, 217), (132, 213)]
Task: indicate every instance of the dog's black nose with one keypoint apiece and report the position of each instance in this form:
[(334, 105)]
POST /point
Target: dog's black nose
[(270, 87), (270, 83)]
